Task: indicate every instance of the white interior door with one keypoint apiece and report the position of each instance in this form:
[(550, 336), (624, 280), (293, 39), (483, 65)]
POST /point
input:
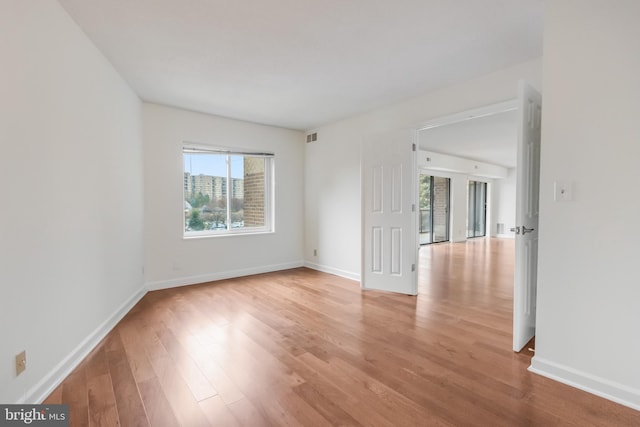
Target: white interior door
[(389, 233), (527, 202)]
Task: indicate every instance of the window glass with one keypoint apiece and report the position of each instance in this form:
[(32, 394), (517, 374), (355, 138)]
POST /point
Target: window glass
[(226, 192)]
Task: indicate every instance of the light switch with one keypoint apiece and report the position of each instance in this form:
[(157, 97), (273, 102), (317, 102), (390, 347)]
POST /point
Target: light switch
[(562, 191)]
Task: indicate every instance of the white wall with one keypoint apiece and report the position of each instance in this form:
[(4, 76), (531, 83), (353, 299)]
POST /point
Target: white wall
[(504, 204), (71, 184), (588, 280), (332, 164), (171, 260)]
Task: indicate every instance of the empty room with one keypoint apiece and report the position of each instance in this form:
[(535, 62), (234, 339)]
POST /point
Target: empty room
[(232, 213)]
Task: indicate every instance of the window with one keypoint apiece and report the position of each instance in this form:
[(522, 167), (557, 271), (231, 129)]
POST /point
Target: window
[(227, 191)]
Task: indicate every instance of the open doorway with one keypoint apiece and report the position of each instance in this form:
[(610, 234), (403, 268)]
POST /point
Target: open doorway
[(479, 156), (389, 174), (462, 153)]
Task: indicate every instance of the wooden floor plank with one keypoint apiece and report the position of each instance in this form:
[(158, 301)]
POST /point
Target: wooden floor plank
[(135, 351), (74, 394), (178, 394), (217, 412), (129, 404), (247, 414), (55, 398), (189, 370), (102, 402), (156, 404), (219, 380), (301, 347)]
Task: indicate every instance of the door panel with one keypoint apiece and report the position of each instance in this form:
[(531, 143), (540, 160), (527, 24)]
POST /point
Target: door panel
[(527, 204), (396, 251), (396, 188), (376, 189), (389, 222), (376, 250)]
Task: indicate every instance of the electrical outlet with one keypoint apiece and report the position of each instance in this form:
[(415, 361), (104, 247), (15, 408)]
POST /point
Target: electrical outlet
[(315, 252), (21, 362)]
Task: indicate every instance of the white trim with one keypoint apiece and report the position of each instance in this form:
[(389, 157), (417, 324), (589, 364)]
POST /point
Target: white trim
[(474, 113), (616, 392), (505, 236), (219, 149), (44, 387), (331, 270), (226, 233), (220, 275)]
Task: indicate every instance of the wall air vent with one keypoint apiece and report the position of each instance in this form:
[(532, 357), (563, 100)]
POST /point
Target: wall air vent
[(312, 137)]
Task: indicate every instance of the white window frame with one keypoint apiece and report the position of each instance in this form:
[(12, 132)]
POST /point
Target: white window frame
[(269, 191)]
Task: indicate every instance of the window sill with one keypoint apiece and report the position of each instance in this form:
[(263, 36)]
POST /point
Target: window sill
[(226, 234)]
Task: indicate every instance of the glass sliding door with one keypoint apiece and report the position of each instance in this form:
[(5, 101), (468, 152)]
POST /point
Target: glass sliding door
[(477, 204), (434, 209), (440, 209), (424, 201)]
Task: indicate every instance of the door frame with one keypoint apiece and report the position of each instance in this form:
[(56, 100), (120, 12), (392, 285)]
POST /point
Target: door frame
[(461, 116), (473, 113), (470, 114)]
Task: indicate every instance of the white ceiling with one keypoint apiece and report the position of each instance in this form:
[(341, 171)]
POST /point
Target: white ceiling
[(490, 139), (303, 63)]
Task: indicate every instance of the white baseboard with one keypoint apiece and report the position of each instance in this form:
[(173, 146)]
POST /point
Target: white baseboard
[(619, 393), (331, 270), (44, 387), (220, 275)]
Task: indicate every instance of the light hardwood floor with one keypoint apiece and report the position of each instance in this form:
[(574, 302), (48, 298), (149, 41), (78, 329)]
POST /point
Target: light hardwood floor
[(301, 347)]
